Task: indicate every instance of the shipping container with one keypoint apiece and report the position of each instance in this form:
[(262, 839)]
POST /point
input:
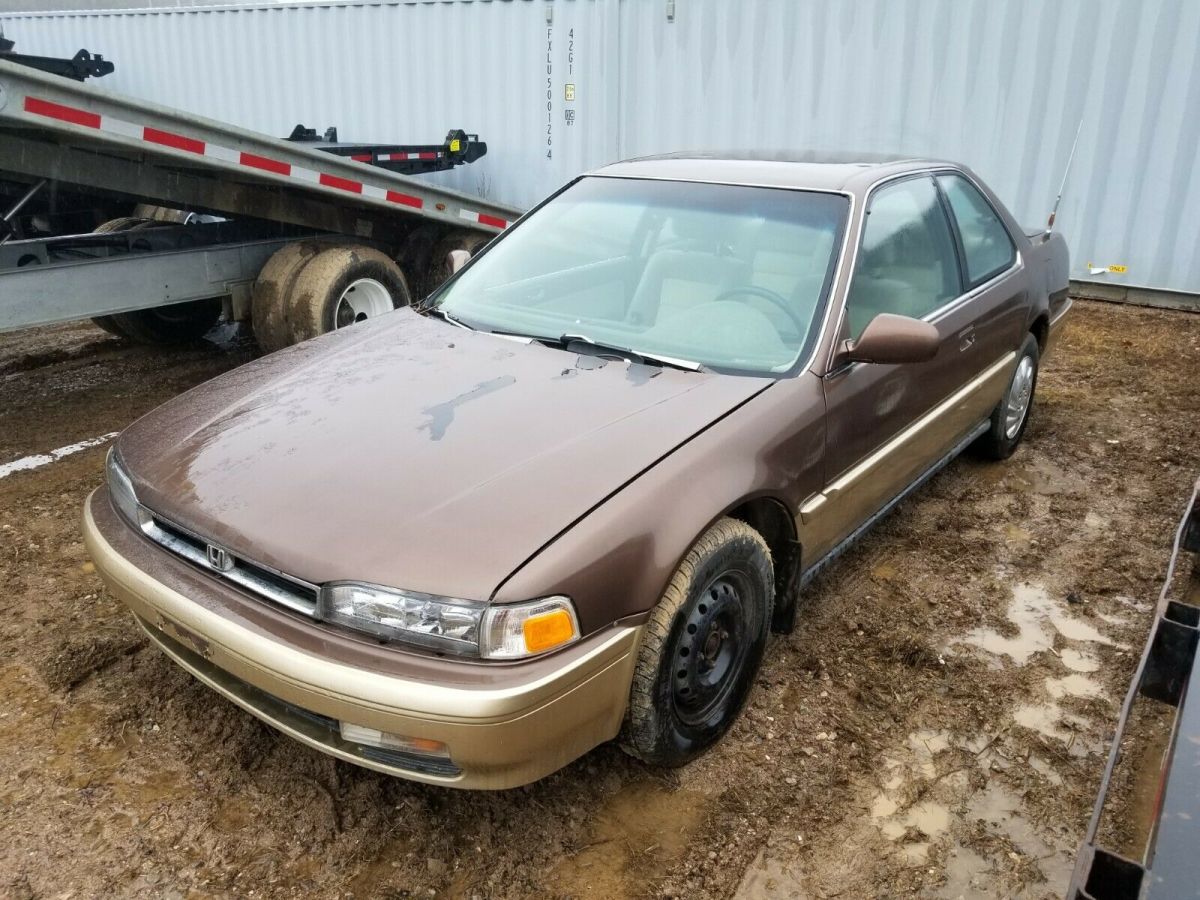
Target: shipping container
[(559, 86)]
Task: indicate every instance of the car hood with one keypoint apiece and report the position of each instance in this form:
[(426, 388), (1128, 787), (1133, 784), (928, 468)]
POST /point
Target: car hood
[(411, 453)]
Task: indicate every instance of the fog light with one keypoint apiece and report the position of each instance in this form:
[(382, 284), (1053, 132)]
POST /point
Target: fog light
[(371, 737)]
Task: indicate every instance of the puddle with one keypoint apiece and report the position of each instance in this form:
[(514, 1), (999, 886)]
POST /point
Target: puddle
[(884, 806), (1048, 719), (1016, 535), (1073, 686), (925, 745), (1079, 662), (968, 875), (1043, 768), (1042, 476), (1032, 609), (642, 823), (997, 808)]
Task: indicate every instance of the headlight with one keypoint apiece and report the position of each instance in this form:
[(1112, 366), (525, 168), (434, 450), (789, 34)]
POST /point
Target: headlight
[(463, 627), (120, 489)]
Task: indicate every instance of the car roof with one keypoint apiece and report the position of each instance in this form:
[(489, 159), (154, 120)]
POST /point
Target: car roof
[(851, 172)]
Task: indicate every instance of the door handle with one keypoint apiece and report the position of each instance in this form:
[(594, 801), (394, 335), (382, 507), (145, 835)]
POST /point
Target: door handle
[(966, 338)]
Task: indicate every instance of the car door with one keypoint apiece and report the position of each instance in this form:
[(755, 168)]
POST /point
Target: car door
[(885, 424), (993, 311)]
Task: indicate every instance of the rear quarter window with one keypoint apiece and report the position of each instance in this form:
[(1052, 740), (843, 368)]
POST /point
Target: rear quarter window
[(986, 243)]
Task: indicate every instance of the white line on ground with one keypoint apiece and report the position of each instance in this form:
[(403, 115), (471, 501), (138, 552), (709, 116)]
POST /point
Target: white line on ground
[(42, 459)]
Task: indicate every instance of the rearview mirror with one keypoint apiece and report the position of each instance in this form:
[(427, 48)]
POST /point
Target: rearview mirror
[(889, 338), (456, 259)]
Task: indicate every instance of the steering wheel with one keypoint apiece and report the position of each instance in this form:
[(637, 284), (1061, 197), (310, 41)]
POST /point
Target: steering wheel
[(777, 300)]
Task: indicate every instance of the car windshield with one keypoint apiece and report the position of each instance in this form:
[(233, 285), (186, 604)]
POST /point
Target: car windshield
[(727, 276)]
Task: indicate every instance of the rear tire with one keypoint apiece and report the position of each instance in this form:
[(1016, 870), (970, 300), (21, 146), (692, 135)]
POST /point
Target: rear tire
[(175, 324), (341, 286), (1011, 416), (702, 647), (269, 314), (178, 323)]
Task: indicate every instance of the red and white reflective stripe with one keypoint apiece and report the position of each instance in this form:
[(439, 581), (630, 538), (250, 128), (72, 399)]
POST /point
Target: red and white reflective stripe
[(400, 157), (174, 141), (472, 215)]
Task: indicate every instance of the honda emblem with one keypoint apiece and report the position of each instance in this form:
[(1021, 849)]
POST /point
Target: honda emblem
[(219, 558)]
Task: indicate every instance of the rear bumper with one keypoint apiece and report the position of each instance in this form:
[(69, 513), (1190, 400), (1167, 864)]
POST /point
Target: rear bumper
[(511, 726), (1057, 325)]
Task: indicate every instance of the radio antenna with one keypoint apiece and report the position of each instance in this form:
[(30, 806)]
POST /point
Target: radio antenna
[(1063, 186)]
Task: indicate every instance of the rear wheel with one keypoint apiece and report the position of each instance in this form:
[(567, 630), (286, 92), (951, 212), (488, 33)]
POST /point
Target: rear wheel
[(702, 647), (178, 323), (174, 324), (269, 314), (342, 286), (1011, 417)]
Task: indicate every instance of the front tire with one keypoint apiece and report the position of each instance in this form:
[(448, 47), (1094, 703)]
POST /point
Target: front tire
[(702, 647), (1011, 417)]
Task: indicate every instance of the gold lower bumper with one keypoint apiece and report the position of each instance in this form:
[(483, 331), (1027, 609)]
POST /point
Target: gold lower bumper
[(1057, 327), (499, 736)]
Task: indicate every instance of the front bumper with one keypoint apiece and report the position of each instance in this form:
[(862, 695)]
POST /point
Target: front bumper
[(504, 725)]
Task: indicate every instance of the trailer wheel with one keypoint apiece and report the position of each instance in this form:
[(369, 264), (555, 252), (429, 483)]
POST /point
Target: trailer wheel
[(439, 265), (124, 223), (122, 325), (177, 323), (341, 286), (269, 313)]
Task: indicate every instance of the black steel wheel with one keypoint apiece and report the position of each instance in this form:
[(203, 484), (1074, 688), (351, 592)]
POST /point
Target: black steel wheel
[(702, 647)]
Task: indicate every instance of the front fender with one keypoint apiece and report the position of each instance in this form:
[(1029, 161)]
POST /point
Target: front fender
[(616, 560)]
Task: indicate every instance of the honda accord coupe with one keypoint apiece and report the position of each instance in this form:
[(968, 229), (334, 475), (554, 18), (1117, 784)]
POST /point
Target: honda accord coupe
[(569, 496)]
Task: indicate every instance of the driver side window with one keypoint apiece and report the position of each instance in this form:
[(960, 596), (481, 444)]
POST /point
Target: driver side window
[(907, 263)]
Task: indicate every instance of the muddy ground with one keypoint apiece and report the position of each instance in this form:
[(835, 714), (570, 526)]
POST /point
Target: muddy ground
[(935, 727)]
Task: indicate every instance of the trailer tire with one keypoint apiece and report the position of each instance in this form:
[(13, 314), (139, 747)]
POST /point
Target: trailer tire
[(439, 264), (176, 323), (112, 226), (341, 286), (124, 223), (269, 313)]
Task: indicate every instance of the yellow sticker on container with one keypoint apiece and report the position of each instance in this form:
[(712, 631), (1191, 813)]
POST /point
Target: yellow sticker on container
[(455, 146), (569, 91), (1120, 270)]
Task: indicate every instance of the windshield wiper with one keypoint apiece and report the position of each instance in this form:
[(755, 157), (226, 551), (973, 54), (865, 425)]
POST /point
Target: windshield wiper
[(440, 313), (566, 340)]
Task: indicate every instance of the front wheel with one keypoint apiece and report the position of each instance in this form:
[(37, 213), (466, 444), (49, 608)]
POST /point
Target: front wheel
[(702, 647), (1011, 417)]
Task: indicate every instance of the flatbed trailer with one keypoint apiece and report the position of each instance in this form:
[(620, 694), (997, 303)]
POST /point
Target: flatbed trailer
[(407, 159), (383, 237)]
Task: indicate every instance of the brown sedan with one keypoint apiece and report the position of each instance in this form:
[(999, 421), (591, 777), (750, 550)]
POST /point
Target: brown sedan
[(569, 497)]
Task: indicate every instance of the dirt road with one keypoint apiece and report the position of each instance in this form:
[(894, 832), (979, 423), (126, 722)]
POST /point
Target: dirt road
[(936, 725)]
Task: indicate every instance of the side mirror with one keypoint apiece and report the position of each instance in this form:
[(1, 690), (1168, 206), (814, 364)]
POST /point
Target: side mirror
[(889, 338), (456, 259)]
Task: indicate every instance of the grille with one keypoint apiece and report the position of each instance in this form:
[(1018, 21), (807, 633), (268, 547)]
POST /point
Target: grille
[(258, 579)]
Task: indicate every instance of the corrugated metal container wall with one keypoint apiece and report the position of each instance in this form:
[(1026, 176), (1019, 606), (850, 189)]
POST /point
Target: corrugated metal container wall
[(998, 84), (405, 73)]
